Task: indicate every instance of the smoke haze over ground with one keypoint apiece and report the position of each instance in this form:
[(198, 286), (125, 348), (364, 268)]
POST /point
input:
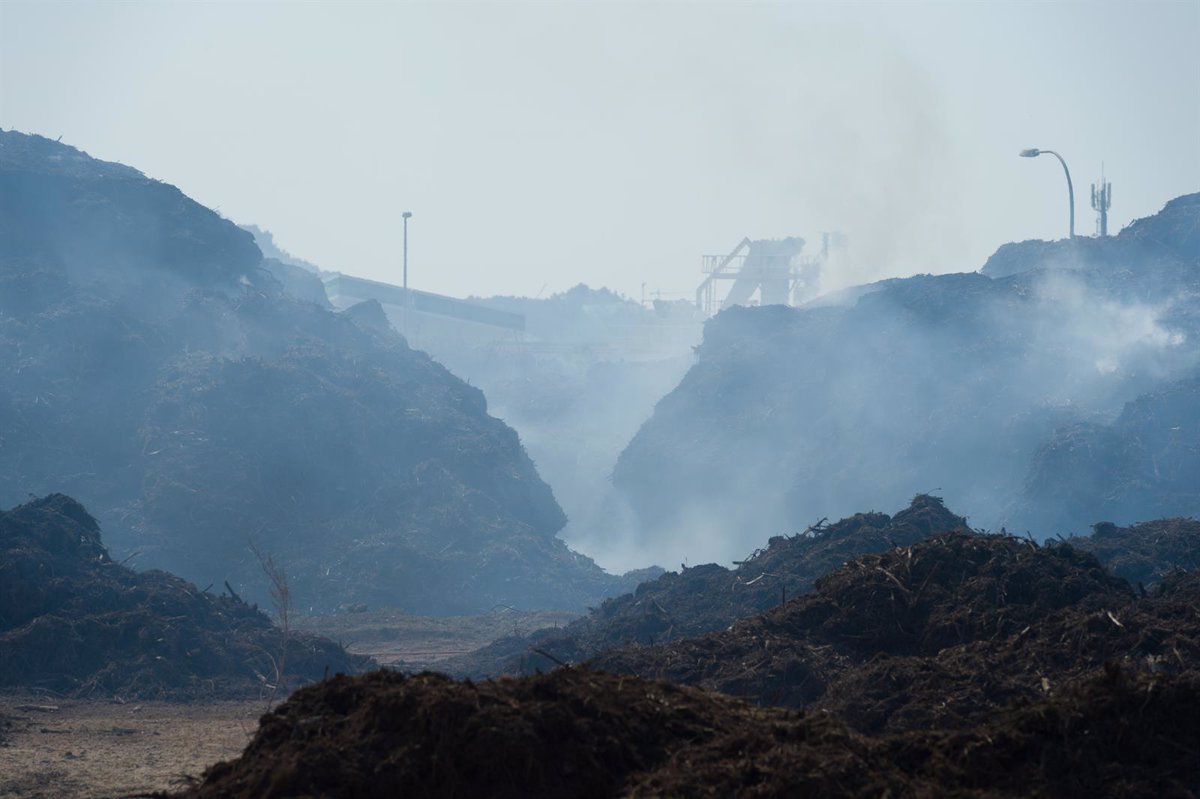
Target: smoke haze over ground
[(155, 368), (547, 340), (586, 376), (955, 383)]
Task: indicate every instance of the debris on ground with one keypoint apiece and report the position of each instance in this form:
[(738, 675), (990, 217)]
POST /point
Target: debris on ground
[(75, 622), (153, 365), (417, 643), (961, 663), (581, 733), (938, 634), (1144, 553), (704, 598)]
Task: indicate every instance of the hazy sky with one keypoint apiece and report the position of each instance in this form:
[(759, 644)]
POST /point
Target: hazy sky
[(544, 144)]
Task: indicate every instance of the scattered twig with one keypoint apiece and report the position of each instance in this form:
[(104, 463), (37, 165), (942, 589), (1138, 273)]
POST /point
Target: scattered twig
[(547, 655), (281, 596), (892, 577), (817, 526)]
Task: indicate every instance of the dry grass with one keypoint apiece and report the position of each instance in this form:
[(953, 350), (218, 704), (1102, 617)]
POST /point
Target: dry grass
[(68, 749), (396, 638)]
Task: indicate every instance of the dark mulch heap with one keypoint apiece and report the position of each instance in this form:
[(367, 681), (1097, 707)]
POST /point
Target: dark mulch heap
[(701, 599), (939, 634), (1144, 553), (963, 665), (151, 365), (580, 733), (570, 733), (73, 621), (959, 685)]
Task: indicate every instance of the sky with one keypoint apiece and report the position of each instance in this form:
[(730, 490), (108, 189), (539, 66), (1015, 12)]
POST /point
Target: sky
[(540, 145)]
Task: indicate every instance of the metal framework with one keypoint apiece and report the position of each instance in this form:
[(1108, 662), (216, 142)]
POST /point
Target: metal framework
[(1101, 202), (774, 269)]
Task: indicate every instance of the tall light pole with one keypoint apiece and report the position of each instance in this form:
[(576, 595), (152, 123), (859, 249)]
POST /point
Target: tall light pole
[(1034, 153), (407, 216), (407, 299)]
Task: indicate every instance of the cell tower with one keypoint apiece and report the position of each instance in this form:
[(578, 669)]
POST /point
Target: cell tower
[(1101, 201)]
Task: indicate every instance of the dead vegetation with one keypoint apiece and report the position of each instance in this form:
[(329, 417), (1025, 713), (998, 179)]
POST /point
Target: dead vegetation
[(701, 599), (964, 664), (939, 634), (580, 733), (61, 748), (1144, 553), (152, 367), (74, 622), (281, 600)]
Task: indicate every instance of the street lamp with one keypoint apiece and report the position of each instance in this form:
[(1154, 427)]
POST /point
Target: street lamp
[(407, 299), (1034, 153), (407, 215)]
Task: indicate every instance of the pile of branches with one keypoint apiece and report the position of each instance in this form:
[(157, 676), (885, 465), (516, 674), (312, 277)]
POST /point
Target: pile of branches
[(939, 634), (962, 664), (581, 733), (152, 366), (1144, 553), (75, 622), (700, 599)]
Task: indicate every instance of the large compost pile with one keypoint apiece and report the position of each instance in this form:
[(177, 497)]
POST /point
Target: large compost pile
[(701, 599), (1056, 387), (1144, 462), (152, 366), (962, 664), (1145, 553), (580, 733), (74, 621), (938, 634)]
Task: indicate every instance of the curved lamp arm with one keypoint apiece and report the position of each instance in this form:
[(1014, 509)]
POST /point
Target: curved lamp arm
[(1070, 187)]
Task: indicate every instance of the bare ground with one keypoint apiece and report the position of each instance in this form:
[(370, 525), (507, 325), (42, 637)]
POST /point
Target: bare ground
[(414, 643), (87, 749), (60, 748)]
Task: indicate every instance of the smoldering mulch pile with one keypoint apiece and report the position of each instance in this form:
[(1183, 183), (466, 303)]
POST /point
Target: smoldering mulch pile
[(938, 635), (581, 733), (963, 665), (152, 365), (1144, 553), (701, 599), (73, 621), (959, 685)]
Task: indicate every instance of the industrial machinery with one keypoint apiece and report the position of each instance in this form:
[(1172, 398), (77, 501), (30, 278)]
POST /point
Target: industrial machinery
[(774, 269)]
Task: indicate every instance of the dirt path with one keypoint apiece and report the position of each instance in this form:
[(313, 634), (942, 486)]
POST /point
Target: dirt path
[(69, 749), (416, 642), (73, 749)]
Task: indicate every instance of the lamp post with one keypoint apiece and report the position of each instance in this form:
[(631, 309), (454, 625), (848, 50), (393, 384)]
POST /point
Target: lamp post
[(1034, 153), (407, 299), (407, 215)]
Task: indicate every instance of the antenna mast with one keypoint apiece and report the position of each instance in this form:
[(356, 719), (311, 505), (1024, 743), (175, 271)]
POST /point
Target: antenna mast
[(1101, 201)]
